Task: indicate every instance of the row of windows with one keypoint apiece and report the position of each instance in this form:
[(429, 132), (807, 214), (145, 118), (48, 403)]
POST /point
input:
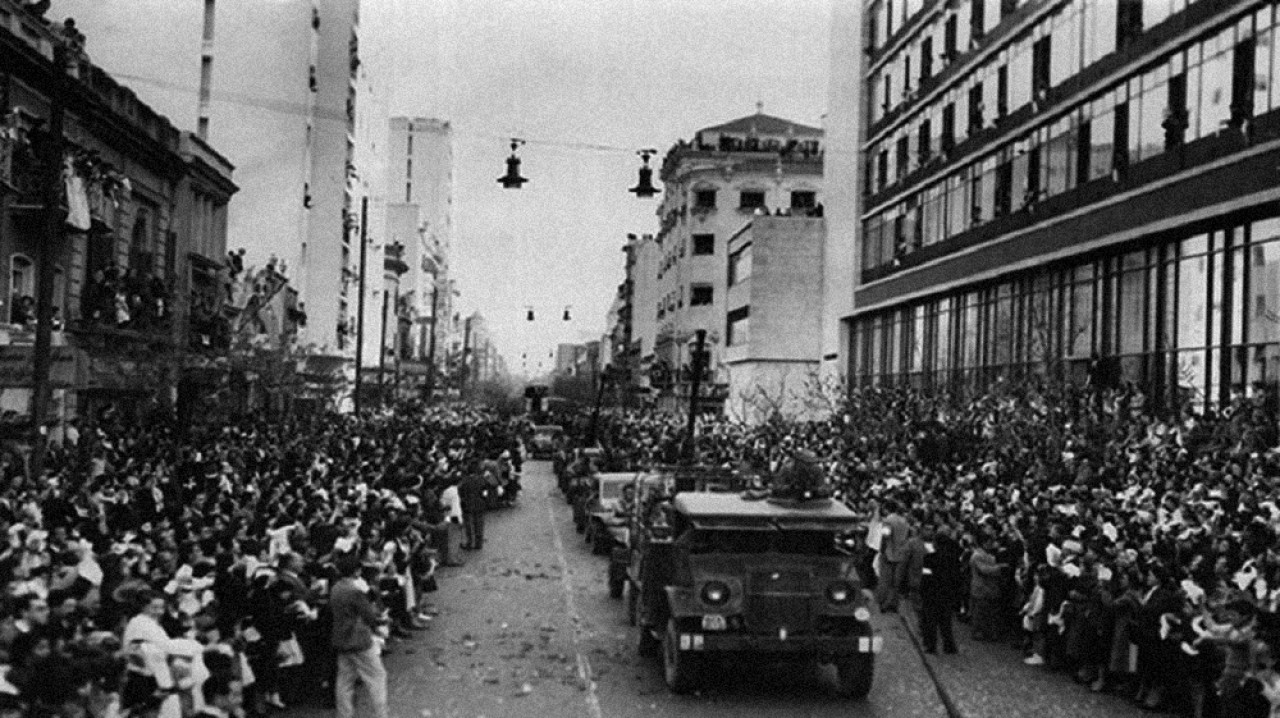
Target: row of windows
[(1201, 314), (704, 245), (1078, 34), (1083, 32), (1215, 83), (754, 199), (700, 295)]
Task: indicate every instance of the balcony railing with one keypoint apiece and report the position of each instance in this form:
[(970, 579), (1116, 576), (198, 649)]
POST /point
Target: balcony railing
[(6, 162)]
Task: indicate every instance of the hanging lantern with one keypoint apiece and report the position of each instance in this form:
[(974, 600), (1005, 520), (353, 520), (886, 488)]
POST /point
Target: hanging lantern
[(512, 179), (529, 314), (566, 313), (644, 187)]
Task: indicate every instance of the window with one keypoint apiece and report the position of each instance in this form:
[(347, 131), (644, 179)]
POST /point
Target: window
[(701, 295), (948, 141), (141, 241), (738, 327), (975, 108), (740, 266), (704, 244), (926, 59), (704, 199), (949, 39), (923, 143), (1128, 21), (976, 20), (804, 199), (408, 191), (903, 157), (750, 199), (409, 145), (1002, 91), (1242, 82), (1040, 59)]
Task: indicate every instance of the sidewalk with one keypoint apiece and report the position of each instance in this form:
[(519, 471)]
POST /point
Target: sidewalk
[(989, 680)]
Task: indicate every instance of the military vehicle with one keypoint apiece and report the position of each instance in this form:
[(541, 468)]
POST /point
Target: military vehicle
[(594, 510), (721, 573)]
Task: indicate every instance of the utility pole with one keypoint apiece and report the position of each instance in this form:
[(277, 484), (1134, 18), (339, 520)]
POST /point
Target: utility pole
[(431, 347), (697, 360), (55, 217), (382, 353), (364, 245)]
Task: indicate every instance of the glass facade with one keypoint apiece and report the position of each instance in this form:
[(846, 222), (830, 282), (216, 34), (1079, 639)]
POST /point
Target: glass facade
[(1193, 318), (1196, 89)]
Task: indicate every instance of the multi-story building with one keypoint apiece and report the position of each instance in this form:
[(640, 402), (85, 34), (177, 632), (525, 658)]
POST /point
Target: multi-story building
[(1075, 189), (753, 165), (772, 326), (419, 210), (291, 132), (137, 275)]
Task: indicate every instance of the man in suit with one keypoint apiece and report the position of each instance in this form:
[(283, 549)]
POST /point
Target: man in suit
[(471, 491), (896, 534), (359, 655), (938, 583)]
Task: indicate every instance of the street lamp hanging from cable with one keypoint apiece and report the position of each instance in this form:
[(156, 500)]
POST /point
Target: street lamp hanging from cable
[(644, 186), (512, 179)]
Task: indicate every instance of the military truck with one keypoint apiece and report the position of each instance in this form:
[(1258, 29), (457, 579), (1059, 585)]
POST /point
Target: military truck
[(739, 573)]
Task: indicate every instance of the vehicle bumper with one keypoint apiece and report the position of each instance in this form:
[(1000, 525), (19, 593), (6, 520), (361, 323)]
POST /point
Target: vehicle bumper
[(728, 642)]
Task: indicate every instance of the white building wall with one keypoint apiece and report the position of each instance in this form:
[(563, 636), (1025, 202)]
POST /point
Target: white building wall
[(843, 181)]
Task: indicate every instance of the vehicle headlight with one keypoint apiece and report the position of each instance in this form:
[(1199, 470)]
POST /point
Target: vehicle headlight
[(862, 613), (715, 592), (839, 592)]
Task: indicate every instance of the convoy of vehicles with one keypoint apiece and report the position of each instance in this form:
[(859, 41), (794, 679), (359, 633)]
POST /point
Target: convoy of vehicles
[(712, 564)]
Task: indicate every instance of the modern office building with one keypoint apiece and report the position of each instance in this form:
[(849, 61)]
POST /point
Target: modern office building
[(1079, 189), (276, 86), (758, 164)]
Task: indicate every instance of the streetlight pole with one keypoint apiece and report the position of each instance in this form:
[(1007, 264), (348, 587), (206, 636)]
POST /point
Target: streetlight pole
[(54, 221), (364, 246), (465, 364), (382, 353), (697, 360), (431, 346)]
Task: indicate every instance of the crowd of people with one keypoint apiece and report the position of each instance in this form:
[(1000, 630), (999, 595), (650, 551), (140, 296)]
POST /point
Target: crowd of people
[(1135, 550), (228, 571)]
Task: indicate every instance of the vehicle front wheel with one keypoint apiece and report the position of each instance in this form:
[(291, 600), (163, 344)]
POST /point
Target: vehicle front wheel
[(854, 675), (681, 668)]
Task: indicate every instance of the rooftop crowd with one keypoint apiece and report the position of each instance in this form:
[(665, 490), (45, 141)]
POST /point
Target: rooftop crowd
[(157, 571), (1134, 550)]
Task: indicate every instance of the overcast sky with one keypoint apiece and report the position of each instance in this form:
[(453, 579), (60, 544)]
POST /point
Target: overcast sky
[(623, 74)]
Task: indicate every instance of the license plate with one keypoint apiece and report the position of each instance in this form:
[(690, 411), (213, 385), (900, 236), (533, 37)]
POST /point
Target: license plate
[(713, 623)]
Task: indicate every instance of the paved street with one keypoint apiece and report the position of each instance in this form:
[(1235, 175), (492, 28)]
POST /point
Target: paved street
[(527, 628)]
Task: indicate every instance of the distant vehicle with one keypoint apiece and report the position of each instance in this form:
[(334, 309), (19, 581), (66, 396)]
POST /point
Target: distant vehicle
[(543, 441), (721, 573)]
